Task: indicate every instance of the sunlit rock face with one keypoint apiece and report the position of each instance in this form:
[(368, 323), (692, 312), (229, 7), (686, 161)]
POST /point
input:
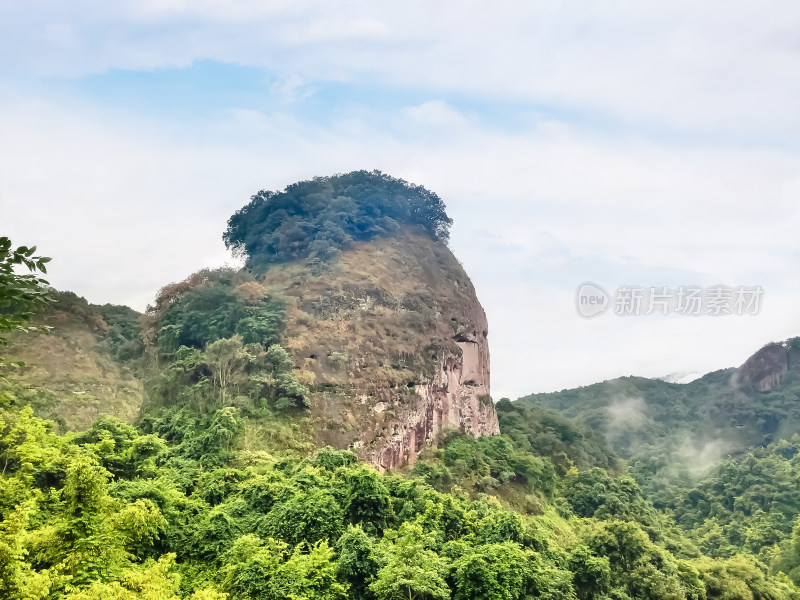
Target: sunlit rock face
[(394, 340), (457, 396)]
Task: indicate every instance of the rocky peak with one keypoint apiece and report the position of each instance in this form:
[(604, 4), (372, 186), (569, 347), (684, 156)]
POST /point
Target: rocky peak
[(766, 368), (395, 341)]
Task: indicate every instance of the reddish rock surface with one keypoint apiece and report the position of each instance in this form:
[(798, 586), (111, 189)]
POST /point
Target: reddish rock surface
[(395, 341)]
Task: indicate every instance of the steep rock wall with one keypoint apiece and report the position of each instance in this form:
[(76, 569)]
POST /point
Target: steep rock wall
[(766, 368), (457, 397), (394, 341)]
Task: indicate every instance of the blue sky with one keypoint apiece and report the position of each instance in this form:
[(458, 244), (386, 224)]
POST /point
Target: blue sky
[(622, 143)]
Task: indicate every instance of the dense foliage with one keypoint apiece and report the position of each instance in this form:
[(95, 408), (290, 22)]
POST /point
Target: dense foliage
[(117, 513), (214, 304), (490, 465), (718, 458), (215, 338), (746, 504), (673, 432), (320, 216), (546, 433), (21, 294)]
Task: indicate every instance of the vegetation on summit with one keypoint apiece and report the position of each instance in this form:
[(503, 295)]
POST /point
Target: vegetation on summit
[(322, 216)]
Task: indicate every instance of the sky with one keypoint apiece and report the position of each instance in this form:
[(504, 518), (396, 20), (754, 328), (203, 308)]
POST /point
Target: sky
[(622, 143)]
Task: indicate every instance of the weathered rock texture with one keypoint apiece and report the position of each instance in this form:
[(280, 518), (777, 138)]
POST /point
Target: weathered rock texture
[(394, 341), (766, 368)]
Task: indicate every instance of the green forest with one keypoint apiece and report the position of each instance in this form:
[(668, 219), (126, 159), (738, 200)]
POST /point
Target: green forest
[(324, 215), (218, 490)]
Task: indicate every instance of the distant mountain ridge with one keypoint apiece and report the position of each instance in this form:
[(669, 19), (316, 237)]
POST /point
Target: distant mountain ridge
[(657, 425)]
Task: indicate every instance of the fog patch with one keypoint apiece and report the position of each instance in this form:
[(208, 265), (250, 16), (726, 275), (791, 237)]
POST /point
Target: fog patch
[(700, 456), (626, 418), (735, 379)]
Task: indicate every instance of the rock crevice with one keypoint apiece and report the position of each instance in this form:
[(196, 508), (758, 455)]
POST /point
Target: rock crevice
[(458, 397)]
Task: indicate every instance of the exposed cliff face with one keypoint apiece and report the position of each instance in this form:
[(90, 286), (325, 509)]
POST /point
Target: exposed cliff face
[(395, 342), (456, 397), (766, 368)]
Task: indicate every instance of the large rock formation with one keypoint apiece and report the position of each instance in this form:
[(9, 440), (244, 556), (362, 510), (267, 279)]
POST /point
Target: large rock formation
[(766, 368), (395, 342)]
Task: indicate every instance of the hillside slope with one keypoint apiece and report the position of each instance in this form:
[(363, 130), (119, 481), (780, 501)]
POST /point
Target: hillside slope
[(721, 412), (672, 432), (79, 370)]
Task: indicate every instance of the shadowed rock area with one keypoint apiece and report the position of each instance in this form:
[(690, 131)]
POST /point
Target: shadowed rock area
[(766, 368)]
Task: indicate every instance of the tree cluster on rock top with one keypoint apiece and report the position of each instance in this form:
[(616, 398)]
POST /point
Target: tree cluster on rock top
[(321, 216)]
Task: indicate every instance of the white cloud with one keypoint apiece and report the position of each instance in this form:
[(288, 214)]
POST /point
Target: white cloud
[(721, 68), (337, 30), (436, 115), (660, 150), (125, 206)]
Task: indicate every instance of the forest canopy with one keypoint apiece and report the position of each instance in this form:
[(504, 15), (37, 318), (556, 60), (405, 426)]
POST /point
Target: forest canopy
[(218, 491), (319, 217)]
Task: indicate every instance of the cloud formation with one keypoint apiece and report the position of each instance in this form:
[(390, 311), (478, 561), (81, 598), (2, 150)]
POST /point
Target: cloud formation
[(639, 143), (722, 68)]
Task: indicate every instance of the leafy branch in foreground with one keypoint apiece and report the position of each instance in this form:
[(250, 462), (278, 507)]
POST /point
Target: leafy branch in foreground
[(21, 294)]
